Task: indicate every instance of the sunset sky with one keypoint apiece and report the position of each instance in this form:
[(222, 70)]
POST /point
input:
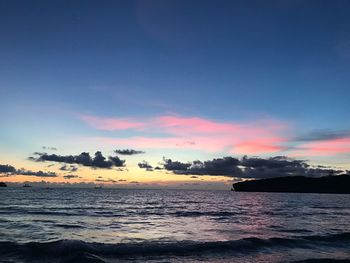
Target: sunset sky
[(159, 85)]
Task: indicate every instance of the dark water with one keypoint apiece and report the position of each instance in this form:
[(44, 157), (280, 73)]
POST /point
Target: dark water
[(109, 225)]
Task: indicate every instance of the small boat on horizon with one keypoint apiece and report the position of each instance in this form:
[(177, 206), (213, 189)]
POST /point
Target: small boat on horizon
[(27, 185)]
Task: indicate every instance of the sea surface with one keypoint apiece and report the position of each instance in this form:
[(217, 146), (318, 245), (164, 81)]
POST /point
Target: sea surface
[(112, 225)]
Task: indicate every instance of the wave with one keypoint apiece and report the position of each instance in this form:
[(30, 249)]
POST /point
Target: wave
[(96, 251), (198, 214), (149, 212)]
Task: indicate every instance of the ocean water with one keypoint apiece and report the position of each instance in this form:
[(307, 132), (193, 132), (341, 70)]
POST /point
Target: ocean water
[(111, 225)]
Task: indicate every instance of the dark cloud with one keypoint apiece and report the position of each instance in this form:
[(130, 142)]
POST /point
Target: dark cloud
[(69, 168), (99, 161), (145, 165), (248, 167), (10, 170), (272, 167), (121, 180), (272, 162), (38, 173), (117, 162), (219, 166), (70, 176), (128, 152), (7, 169), (49, 148), (175, 166), (280, 166), (320, 135), (226, 166), (109, 180), (322, 172), (134, 182), (73, 169)]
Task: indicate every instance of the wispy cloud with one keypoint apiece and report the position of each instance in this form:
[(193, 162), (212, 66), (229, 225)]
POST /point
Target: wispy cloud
[(128, 152), (70, 176), (109, 180), (195, 133), (49, 148), (112, 124), (324, 147), (323, 135), (264, 136)]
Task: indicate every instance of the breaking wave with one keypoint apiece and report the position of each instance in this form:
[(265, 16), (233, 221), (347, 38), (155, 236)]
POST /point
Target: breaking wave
[(76, 250)]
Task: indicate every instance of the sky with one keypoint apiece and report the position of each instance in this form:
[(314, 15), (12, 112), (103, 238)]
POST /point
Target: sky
[(179, 94)]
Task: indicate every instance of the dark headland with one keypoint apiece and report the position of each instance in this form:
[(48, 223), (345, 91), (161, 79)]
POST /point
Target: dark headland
[(2, 184), (297, 184)]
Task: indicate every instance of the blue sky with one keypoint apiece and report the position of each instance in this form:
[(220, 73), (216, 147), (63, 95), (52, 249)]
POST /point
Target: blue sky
[(223, 61)]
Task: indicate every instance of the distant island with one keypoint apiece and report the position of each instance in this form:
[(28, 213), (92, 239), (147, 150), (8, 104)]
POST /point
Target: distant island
[(297, 184), (2, 184)]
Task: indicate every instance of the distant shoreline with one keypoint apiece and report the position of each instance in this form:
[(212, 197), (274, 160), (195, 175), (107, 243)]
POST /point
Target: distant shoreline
[(297, 184)]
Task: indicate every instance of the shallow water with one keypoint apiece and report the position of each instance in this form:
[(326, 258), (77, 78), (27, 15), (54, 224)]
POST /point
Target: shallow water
[(110, 225)]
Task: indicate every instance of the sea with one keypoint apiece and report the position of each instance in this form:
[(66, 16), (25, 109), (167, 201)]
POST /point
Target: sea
[(119, 225)]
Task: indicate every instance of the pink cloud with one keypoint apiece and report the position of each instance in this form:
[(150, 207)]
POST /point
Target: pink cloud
[(112, 124), (267, 145), (177, 124), (166, 143), (326, 147), (194, 125), (196, 133), (150, 142)]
